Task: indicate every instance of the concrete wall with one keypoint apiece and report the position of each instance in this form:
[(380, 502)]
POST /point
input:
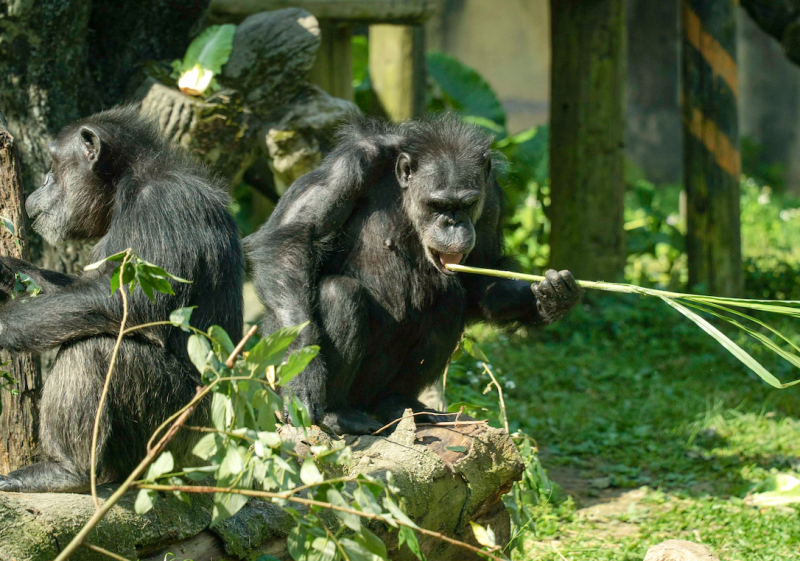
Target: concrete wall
[(508, 42)]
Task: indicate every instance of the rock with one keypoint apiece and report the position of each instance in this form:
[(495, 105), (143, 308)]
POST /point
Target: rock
[(272, 54), (679, 550), (296, 143)]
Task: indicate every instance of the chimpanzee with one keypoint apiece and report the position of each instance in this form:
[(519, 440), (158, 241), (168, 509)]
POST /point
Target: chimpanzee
[(358, 248), (115, 178)]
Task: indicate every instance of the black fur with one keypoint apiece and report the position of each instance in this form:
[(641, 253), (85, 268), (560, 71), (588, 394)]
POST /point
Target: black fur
[(353, 247), (114, 177)]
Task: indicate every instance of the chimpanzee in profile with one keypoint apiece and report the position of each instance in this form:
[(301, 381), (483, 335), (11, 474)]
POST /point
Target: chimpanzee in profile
[(358, 247), (113, 177)]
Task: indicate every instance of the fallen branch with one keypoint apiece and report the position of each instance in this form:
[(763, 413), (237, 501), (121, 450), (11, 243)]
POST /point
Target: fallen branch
[(312, 502)]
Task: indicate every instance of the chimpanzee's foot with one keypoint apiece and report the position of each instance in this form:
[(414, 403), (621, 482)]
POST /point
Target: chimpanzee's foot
[(351, 421), (45, 477)]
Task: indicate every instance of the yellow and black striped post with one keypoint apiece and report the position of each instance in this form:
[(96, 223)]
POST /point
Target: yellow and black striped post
[(711, 145)]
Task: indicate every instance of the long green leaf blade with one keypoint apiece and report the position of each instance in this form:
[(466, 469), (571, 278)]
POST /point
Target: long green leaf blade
[(731, 347)]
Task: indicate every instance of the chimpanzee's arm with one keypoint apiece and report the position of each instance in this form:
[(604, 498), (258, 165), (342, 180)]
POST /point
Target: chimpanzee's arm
[(48, 281), (83, 309), (287, 250), (509, 302)]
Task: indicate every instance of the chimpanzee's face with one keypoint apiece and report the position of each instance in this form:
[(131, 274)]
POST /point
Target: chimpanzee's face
[(74, 202), (444, 198)]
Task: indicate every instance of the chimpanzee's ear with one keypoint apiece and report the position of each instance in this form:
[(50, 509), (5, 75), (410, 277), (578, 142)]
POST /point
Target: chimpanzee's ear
[(403, 169), (92, 145)]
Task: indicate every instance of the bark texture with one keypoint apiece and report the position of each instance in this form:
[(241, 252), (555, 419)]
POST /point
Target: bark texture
[(19, 422), (443, 490), (63, 59), (587, 133)]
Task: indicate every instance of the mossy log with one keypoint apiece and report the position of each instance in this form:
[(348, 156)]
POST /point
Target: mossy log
[(443, 490)]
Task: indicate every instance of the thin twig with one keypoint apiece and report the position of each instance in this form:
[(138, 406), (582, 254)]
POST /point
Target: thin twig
[(452, 423), (240, 346), (311, 502), (444, 386), (500, 393), (105, 552), (107, 384), (412, 415)]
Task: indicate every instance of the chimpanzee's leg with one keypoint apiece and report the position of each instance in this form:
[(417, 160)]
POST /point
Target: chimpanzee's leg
[(69, 402), (343, 307)]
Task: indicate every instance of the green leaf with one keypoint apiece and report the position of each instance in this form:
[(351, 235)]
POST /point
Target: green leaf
[(484, 536), (366, 500), (295, 363), (473, 349), (406, 535), (200, 473), (732, 347), (457, 448), (198, 348), (372, 542), (352, 521), (208, 446), (465, 88), (222, 342), (144, 501), (357, 552), (232, 463), (393, 507), (212, 48), (221, 411), (310, 474), (181, 316), (163, 464), (97, 264), (269, 351)]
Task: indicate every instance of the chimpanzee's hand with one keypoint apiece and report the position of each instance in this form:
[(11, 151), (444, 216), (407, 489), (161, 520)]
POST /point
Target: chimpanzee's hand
[(8, 281), (556, 295)]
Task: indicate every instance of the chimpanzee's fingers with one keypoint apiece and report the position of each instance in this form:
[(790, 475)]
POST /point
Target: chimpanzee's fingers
[(545, 290), (569, 282), (558, 284)]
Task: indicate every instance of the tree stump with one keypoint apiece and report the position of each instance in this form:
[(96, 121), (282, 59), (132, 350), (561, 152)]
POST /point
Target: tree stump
[(19, 414), (443, 489)]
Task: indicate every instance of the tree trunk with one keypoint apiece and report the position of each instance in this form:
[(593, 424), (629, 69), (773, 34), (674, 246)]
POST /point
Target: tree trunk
[(711, 140), (397, 69), (19, 418), (587, 132)]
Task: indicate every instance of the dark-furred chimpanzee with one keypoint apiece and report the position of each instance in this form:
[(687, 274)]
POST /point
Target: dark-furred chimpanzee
[(358, 247), (115, 178)]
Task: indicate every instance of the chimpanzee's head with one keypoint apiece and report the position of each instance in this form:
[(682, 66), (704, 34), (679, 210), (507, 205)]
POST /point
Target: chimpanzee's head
[(88, 158), (445, 170)]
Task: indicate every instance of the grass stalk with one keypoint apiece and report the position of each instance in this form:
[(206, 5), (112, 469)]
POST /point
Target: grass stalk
[(713, 305)]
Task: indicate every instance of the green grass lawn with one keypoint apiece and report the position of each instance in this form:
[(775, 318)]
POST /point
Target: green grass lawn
[(652, 430)]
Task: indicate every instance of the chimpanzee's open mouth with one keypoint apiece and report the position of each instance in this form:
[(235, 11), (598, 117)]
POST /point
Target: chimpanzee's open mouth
[(443, 259)]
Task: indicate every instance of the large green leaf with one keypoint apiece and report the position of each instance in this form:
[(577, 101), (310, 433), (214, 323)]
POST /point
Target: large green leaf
[(465, 88), (211, 49)]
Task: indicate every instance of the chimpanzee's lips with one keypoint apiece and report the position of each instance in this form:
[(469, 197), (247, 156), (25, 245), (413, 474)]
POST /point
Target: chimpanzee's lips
[(441, 260)]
